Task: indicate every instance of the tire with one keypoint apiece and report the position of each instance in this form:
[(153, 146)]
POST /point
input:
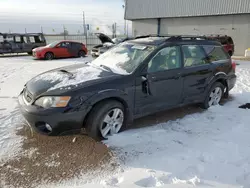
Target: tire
[(217, 90), (81, 53), (230, 53), (49, 56), (96, 124)]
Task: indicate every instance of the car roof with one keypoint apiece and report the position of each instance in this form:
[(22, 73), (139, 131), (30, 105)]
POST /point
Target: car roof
[(69, 41), (182, 40)]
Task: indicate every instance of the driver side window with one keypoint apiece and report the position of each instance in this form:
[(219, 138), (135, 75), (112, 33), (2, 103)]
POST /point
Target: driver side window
[(166, 59), (64, 45)]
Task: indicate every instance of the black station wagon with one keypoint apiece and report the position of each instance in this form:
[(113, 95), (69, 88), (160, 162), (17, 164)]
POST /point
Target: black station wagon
[(134, 79)]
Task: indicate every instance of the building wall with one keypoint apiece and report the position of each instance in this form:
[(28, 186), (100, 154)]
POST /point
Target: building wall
[(144, 27), (145, 9), (237, 26)]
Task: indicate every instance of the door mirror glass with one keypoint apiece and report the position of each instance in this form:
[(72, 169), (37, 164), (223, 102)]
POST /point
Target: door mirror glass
[(166, 59)]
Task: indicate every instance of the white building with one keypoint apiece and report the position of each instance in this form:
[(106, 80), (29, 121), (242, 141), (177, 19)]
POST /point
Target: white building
[(199, 17)]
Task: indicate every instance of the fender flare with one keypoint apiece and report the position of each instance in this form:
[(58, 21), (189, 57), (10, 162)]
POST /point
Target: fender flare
[(115, 94), (221, 77)]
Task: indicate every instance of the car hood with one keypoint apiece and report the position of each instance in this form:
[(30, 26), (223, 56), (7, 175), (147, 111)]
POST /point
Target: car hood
[(104, 38), (40, 48), (61, 80)]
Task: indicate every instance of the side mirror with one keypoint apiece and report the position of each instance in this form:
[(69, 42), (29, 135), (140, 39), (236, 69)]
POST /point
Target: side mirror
[(143, 78)]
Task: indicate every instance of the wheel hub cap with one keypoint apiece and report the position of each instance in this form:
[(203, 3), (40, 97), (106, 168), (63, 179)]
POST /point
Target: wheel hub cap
[(112, 122), (215, 96)]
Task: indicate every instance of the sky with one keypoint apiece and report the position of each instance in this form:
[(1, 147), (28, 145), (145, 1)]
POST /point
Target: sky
[(51, 16)]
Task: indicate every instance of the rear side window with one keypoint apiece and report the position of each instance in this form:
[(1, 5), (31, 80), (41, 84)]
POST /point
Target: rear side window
[(194, 55), (215, 53)]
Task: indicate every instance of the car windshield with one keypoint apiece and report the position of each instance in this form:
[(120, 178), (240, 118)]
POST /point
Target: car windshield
[(53, 44), (124, 58)]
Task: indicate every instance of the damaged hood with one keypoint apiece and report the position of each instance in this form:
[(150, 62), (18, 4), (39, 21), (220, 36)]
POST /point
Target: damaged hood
[(104, 38), (61, 80)]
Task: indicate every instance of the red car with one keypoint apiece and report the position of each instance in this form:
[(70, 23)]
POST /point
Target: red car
[(60, 49)]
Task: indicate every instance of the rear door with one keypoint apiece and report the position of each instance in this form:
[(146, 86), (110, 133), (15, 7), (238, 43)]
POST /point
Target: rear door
[(196, 73), (74, 49), (164, 82)]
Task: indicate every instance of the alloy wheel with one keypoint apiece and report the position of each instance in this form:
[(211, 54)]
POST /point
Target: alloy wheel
[(215, 96), (112, 122)]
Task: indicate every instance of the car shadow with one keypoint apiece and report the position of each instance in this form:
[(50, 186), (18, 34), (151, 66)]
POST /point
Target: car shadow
[(167, 115)]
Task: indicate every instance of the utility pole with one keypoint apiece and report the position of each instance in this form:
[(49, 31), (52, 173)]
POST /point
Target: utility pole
[(25, 30), (41, 29), (125, 22), (85, 29), (64, 33), (114, 30)]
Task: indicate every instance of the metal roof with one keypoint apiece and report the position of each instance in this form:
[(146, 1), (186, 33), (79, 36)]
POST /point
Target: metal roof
[(145, 9)]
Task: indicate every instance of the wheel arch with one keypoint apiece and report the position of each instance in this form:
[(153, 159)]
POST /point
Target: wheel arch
[(104, 97), (220, 77), (49, 52)]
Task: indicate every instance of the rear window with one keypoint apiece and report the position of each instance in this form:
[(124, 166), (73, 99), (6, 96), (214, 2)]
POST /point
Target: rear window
[(215, 53)]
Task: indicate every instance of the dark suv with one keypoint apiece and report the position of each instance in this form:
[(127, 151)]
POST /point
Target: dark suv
[(20, 43), (133, 79)]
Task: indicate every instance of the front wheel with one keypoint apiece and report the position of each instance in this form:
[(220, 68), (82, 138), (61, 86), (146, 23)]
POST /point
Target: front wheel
[(105, 120), (214, 95), (49, 56)]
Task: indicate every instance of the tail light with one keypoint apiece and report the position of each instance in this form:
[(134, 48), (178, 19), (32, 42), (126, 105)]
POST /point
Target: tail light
[(234, 65)]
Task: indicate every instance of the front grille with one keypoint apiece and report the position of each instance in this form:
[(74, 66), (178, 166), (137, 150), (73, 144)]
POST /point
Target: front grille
[(27, 95)]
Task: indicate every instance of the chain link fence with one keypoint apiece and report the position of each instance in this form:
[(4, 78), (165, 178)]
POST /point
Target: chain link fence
[(91, 40)]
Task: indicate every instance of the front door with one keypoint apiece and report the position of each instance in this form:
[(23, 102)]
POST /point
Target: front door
[(162, 87), (62, 49), (196, 73)]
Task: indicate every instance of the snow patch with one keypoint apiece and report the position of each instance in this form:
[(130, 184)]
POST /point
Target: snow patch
[(64, 80)]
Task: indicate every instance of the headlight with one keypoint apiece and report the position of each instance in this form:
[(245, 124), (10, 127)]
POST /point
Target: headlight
[(53, 102)]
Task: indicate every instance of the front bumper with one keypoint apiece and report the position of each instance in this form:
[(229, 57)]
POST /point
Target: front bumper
[(95, 54), (61, 121), (37, 55)]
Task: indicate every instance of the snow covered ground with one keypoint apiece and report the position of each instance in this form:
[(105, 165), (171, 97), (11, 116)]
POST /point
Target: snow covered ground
[(207, 149)]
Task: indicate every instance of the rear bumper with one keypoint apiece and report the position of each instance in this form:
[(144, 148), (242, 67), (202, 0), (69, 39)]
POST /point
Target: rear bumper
[(231, 81), (61, 121)]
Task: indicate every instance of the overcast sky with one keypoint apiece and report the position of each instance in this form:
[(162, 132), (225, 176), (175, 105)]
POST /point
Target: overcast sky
[(51, 15)]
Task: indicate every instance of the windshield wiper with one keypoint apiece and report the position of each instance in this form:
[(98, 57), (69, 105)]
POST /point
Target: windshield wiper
[(106, 67), (67, 72)]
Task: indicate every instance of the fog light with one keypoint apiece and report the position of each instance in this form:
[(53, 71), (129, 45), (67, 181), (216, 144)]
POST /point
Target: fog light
[(48, 127)]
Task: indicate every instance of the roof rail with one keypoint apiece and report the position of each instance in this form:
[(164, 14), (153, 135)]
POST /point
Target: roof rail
[(187, 37)]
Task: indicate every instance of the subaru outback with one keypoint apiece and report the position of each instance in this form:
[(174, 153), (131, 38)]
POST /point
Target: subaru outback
[(134, 79)]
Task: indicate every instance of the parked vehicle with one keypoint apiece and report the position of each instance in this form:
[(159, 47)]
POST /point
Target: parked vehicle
[(107, 43), (60, 49), (133, 79), (20, 43), (226, 41)]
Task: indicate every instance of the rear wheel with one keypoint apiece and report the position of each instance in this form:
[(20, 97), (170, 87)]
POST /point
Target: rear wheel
[(105, 120), (230, 53), (214, 96), (81, 53), (49, 56)]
